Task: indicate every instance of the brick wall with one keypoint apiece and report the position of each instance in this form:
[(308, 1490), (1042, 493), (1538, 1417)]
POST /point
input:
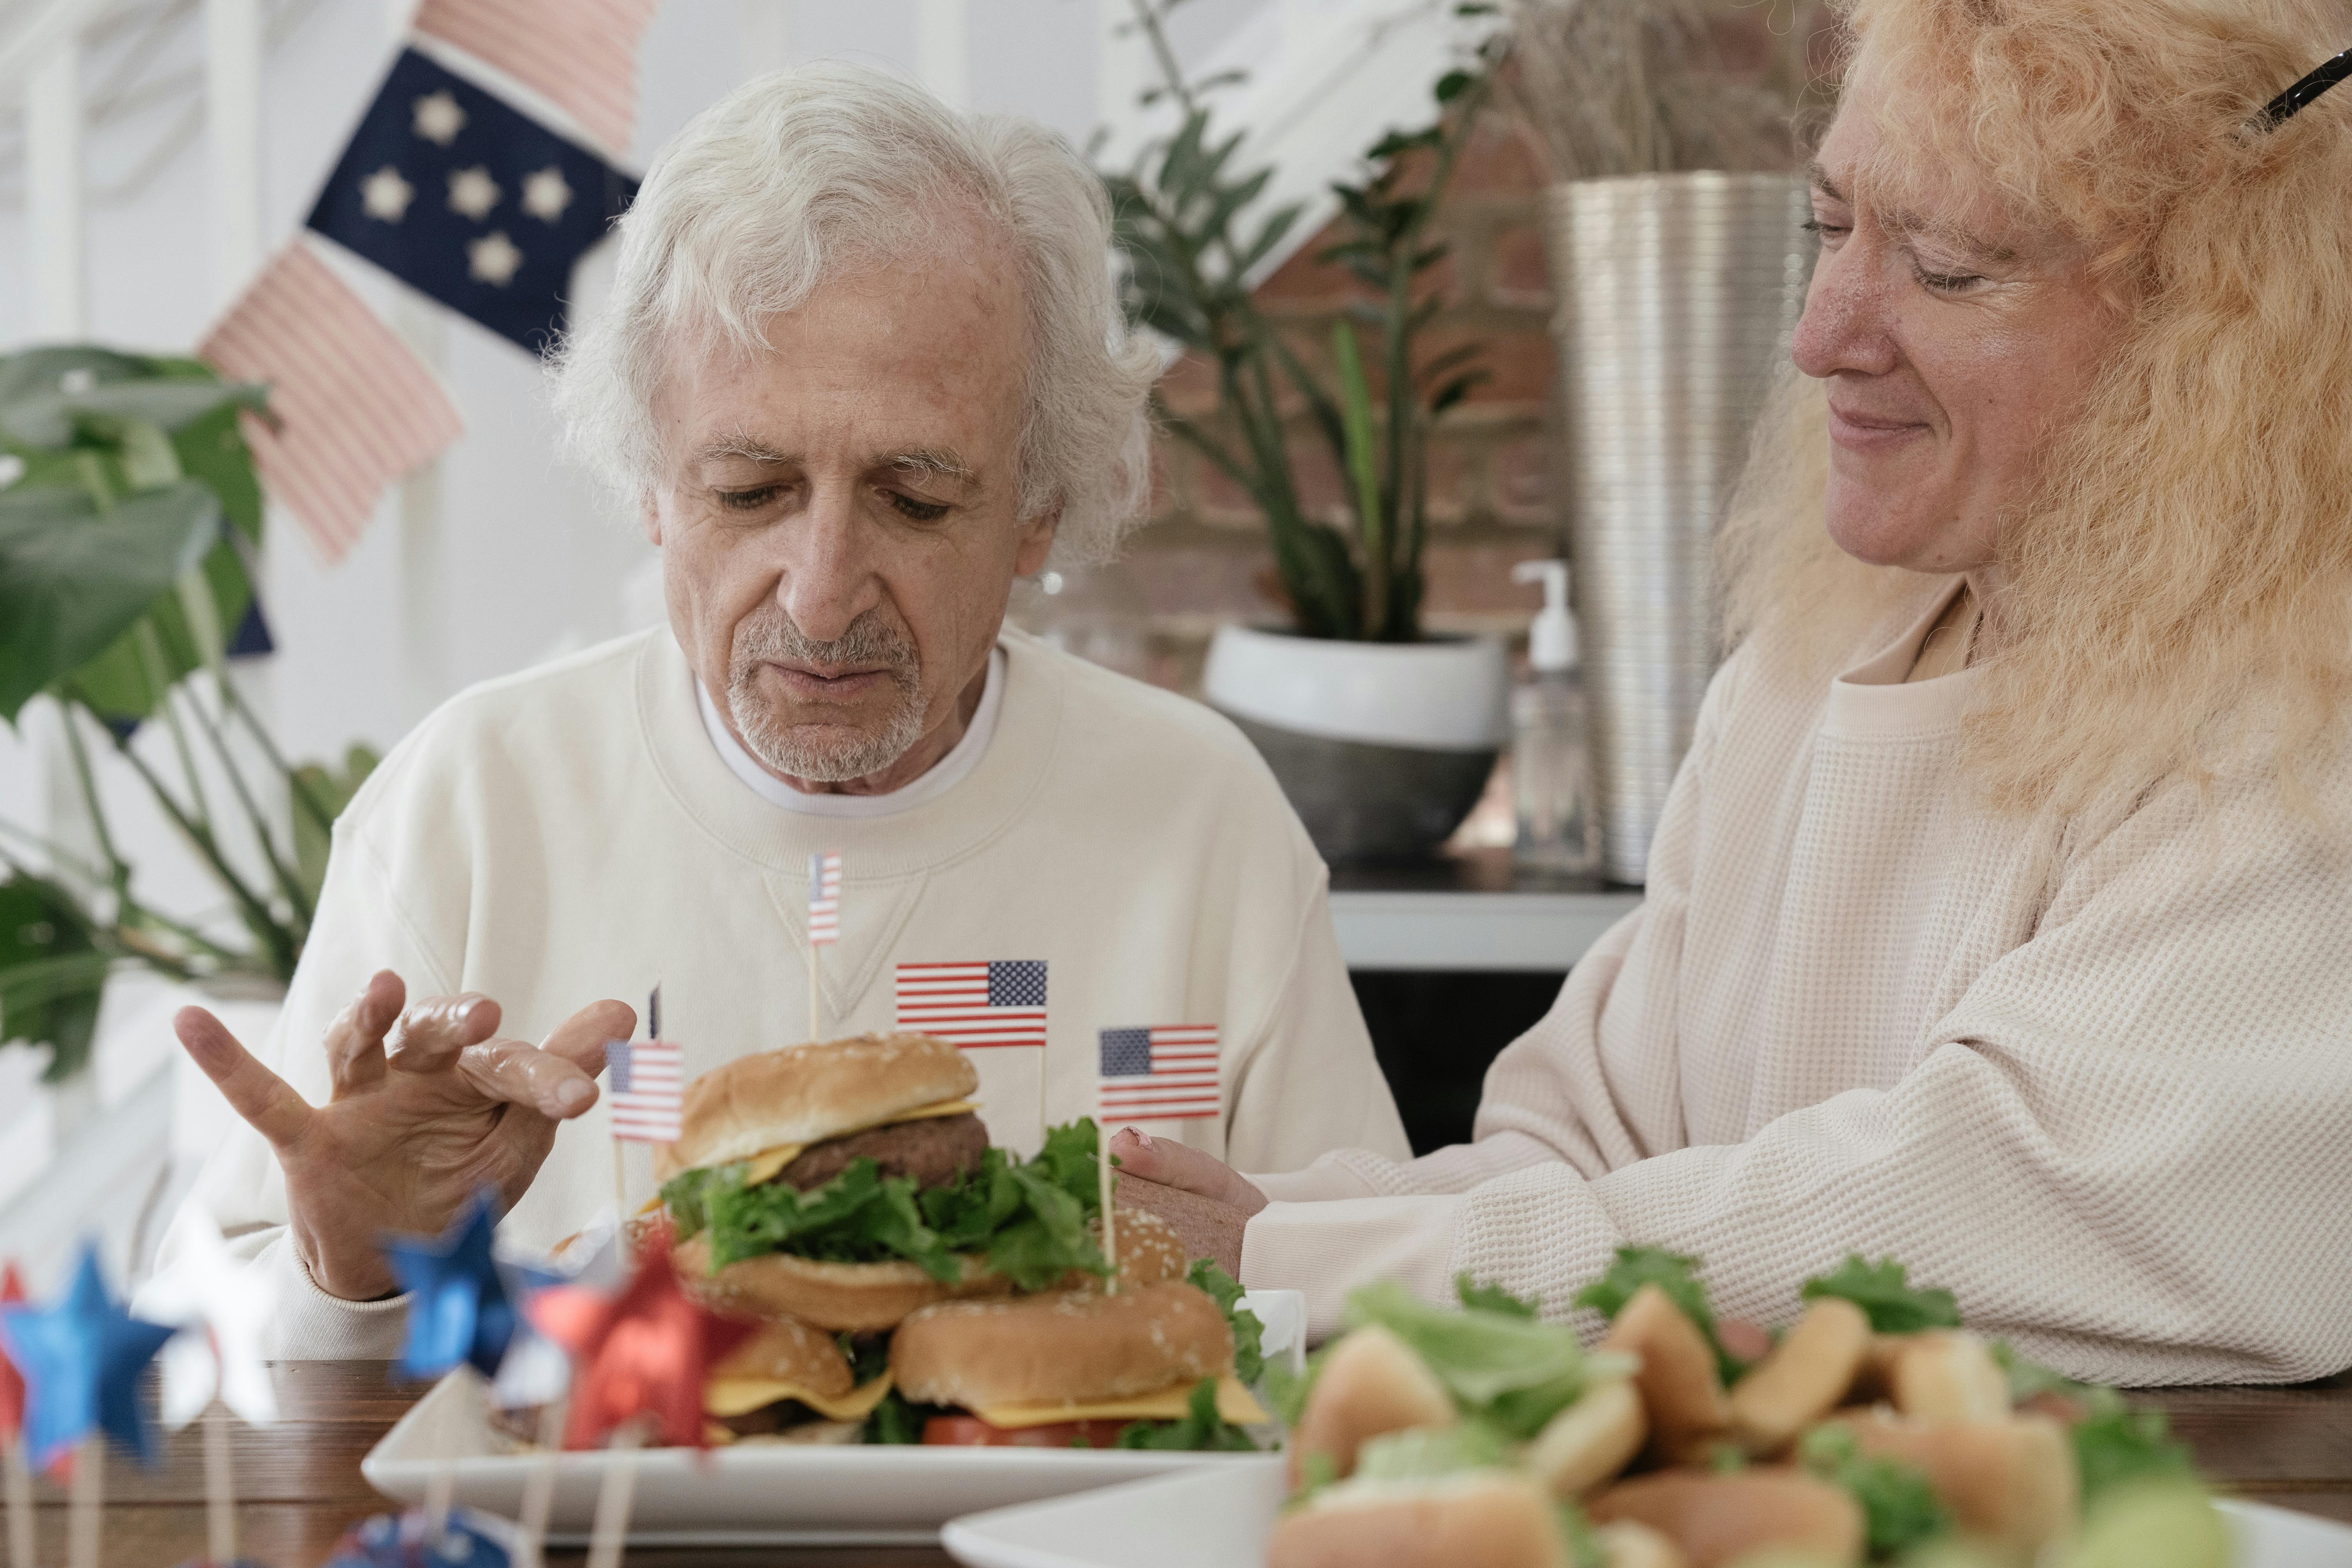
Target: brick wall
[(1202, 559)]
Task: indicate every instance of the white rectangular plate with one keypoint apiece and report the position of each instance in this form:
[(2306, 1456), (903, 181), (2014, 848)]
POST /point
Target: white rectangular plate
[(1221, 1518), (757, 1494)]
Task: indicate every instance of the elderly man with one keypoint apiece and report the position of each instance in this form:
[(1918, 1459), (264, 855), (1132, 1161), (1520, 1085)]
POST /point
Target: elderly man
[(863, 368)]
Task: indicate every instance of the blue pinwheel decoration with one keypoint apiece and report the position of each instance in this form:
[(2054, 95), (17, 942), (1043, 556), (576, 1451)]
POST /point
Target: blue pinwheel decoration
[(81, 1359), (459, 1308)]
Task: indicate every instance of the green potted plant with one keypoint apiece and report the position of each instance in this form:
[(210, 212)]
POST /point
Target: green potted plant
[(1383, 737), (129, 511)]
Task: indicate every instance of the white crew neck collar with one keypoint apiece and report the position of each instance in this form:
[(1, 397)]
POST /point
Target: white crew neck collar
[(1875, 700), (944, 775)]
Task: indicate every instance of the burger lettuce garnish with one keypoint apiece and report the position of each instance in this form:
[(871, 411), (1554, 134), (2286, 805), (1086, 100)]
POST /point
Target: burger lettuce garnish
[(1028, 1218)]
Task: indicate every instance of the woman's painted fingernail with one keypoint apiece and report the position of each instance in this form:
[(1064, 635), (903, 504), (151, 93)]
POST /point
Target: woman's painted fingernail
[(1142, 1140)]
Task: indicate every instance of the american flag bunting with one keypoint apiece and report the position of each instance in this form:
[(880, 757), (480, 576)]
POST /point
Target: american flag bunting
[(1164, 1073), (825, 897), (351, 408), (1000, 1003), (648, 1082)]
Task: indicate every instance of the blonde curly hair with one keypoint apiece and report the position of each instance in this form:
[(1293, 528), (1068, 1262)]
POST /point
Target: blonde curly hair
[(2178, 593)]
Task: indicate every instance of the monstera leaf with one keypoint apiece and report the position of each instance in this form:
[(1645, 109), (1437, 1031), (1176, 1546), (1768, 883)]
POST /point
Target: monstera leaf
[(75, 575), (51, 973)]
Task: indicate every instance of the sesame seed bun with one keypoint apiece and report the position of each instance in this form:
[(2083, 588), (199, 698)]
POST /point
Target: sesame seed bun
[(805, 1094), (1065, 1347)]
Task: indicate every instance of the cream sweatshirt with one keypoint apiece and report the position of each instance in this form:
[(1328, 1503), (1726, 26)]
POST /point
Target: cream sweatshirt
[(2094, 1077), (571, 833)]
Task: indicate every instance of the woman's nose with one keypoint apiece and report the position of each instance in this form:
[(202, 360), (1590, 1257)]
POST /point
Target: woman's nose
[(1845, 327)]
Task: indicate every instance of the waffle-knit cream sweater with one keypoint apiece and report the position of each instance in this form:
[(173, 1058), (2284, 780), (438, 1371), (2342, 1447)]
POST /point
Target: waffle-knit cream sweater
[(571, 833), (2095, 1078)]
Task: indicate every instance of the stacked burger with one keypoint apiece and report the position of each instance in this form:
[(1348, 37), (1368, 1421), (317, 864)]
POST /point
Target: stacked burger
[(915, 1284)]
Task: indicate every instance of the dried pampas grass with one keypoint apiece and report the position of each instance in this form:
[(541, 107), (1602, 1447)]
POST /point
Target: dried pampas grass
[(1645, 87)]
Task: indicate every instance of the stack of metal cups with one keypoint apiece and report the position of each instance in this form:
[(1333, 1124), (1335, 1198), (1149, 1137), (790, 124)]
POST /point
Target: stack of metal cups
[(1677, 294)]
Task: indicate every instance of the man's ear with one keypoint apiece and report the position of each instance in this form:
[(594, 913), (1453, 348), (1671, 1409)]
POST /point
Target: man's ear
[(1036, 542), (649, 513)]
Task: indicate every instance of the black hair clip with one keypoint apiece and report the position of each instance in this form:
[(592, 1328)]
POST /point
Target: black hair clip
[(2295, 99)]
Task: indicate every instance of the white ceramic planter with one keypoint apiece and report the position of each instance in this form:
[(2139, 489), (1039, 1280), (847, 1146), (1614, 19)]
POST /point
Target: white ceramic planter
[(1382, 747)]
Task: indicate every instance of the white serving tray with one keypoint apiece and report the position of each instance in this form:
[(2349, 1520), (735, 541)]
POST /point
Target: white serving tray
[(1221, 1518), (769, 1494)]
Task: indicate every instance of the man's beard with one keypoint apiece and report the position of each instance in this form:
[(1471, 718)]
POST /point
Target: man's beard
[(819, 751)]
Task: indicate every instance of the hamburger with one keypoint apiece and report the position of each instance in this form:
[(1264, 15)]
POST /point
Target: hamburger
[(1150, 1366)]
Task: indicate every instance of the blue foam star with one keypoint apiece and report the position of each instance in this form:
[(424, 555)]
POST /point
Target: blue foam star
[(81, 1360), (459, 1309), (468, 1540)]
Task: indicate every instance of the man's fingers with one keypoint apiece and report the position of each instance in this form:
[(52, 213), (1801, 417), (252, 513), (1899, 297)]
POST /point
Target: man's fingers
[(1174, 1164), (522, 1074), (355, 1039), (252, 1091), (580, 1039), (430, 1035)]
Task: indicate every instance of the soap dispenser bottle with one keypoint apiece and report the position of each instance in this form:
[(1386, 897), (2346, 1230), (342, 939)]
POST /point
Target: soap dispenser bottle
[(1551, 774)]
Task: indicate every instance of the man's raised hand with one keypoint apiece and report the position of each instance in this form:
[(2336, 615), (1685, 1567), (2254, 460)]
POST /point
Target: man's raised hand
[(425, 1106)]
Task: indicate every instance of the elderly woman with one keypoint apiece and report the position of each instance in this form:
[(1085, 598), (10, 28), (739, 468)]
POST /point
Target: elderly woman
[(2002, 917)]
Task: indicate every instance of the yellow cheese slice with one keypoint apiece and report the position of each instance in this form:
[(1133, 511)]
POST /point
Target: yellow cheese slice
[(1234, 1403), (742, 1396), (768, 1161)]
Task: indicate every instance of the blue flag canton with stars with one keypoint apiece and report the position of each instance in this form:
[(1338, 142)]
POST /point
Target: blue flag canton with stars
[(1126, 1053), (1016, 983), (456, 193)]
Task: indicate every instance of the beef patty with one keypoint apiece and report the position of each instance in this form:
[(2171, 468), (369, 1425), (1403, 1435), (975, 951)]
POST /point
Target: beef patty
[(934, 1151)]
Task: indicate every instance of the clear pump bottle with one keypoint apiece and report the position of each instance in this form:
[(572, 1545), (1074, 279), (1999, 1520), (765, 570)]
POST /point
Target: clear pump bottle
[(1551, 773)]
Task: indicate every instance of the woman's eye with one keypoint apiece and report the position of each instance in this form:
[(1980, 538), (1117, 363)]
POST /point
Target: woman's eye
[(918, 510), (750, 500), (1831, 233), (1947, 282)]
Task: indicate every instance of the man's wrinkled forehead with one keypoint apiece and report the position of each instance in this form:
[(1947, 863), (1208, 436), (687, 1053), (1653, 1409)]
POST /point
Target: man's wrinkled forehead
[(922, 464)]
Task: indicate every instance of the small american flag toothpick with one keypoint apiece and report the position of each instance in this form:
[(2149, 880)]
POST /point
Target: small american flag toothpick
[(1164, 1073)]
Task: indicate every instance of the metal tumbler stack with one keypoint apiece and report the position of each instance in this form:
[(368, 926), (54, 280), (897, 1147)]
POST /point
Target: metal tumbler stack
[(1677, 294)]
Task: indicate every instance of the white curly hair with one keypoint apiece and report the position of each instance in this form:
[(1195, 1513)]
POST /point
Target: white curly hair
[(797, 176)]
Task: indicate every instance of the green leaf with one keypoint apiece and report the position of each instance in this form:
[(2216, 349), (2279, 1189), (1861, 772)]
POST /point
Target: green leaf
[(38, 372), (1883, 1289), (2156, 1524), (1512, 1371), (54, 418), (1491, 1298), (1431, 1453), (73, 578), (2121, 1447), (1201, 1430), (1672, 1272), (51, 971), (1451, 85), (1249, 1334), (1900, 1508)]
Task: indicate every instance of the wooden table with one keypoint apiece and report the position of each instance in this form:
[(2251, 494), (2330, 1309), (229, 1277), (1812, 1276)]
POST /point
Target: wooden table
[(300, 1480)]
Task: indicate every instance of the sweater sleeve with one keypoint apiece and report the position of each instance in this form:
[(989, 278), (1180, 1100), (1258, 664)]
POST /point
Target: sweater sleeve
[(1309, 1082), (2119, 1146), (361, 928), (1357, 1216)]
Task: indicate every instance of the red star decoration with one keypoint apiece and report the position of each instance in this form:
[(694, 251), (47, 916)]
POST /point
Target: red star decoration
[(644, 1351), (12, 1384)]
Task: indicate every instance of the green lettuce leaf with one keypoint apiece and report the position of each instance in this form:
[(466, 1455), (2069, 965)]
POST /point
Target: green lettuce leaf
[(2119, 1447), (1492, 1298), (1201, 1430), (1510, 1370), (1028, 1218), (1432, 1453), (1883, 1291), (1900, 1508), (1249, 1334), (1671, 1272)]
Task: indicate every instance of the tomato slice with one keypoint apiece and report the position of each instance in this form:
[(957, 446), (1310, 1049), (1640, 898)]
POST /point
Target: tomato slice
[(971, 1432)]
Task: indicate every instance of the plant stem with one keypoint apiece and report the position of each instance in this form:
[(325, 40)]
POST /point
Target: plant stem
[(288, 883), (321, 817), (151, 659), (118, 872)]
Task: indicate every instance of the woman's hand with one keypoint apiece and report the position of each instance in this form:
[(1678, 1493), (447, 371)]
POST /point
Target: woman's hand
[(1205, 1200), (425, 1108)]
